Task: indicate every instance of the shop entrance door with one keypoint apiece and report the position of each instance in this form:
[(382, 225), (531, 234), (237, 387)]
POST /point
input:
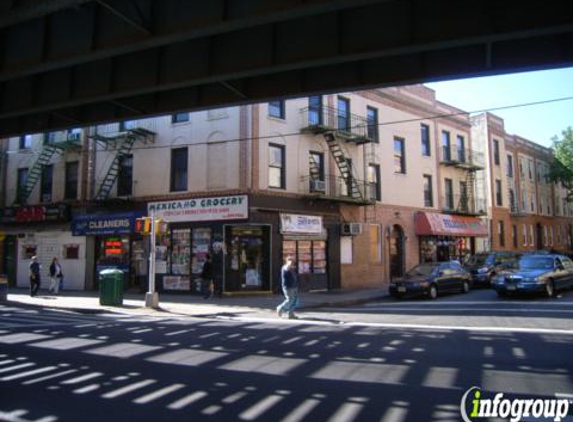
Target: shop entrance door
[(397, 257), (248, 258)]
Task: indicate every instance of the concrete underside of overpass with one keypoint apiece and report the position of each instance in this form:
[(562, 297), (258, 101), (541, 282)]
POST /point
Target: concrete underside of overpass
[(69, 63)]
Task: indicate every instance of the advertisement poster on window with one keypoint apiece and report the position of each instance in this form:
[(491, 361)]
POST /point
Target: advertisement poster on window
[(301, 224), (176, 283)]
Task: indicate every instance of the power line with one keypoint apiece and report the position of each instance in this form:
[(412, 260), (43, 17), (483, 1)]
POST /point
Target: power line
[(394, 122), (416, 119)]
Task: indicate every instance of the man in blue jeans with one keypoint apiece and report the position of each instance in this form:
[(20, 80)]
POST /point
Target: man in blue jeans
[(289, 283)]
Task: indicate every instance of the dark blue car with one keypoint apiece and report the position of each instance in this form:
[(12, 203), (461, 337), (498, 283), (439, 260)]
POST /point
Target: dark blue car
[(431, 279), (545, 274)]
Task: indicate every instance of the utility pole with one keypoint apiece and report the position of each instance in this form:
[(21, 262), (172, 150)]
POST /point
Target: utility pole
[(152, 297)]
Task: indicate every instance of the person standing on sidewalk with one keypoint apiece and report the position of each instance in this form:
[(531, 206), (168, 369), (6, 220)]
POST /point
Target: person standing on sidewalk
[(34, 276), (56, 276), (207, 277), (289, 284)]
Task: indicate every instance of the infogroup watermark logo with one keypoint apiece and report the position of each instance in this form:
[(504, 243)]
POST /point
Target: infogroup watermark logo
[(474, 407)]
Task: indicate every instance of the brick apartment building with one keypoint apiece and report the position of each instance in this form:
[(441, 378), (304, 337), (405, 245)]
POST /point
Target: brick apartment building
[(358, 187)]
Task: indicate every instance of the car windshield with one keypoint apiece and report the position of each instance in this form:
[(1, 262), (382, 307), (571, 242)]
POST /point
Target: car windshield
[(422, 269), (480, 260), (536, 263)]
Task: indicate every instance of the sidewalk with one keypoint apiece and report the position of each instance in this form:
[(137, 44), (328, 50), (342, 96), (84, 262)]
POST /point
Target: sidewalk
[(190, 305)]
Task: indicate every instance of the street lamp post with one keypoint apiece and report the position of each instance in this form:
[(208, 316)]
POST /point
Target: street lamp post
[(152, 297)]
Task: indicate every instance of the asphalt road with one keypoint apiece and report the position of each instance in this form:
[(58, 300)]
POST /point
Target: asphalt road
[(388, 361)]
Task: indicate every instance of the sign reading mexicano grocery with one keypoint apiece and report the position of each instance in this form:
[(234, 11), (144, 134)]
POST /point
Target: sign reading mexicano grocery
[(202, 209), (301, 224)]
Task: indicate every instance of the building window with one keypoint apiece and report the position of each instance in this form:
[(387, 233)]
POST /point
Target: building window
[(496, 159), (277, 109), (277, 166), (375, 243), (514, 235), (125, 175), (316, 165), (315, 116), (425, 139), (179, 117), (179, 163), (509, 166), (449, 185), (46, 183), (498, 195), (71, 187), (21, 186), (399, 156), (524, 235), (372, 122), (25, 141), (127, 125), (461, 144), (530, 169), (343, 114), (501, 233), (531, 235), (428, 193), (551, 234), (512, 201), (374, 182), (446, 146), (464, 198)]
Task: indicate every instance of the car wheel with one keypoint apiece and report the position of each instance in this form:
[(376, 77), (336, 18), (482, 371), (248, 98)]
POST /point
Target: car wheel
[(501, 294), (433, 292), (549, 288), (465, 286)]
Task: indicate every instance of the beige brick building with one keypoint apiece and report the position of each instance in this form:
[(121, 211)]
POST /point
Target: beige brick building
[(358, 187)]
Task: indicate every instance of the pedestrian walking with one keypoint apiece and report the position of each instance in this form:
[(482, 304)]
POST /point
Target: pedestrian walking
[(56, 276), (34, 276), (289, 284), (207, 278)]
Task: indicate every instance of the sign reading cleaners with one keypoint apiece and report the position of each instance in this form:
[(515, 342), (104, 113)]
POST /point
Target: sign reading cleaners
[(202, 209)]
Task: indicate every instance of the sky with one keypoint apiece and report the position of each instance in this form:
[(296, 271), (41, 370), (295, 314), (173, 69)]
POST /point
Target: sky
[(538, 123)]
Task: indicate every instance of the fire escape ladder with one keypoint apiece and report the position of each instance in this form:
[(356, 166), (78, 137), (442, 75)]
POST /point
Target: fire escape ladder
[(467, 201), (113, 171), (341, 159), (35, 172)]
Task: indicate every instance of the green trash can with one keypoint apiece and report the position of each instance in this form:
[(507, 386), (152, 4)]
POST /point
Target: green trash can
[(111, 287)]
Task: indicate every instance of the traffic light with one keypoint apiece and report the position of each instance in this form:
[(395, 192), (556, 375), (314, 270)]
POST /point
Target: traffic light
[(143, 225), (161, 227)]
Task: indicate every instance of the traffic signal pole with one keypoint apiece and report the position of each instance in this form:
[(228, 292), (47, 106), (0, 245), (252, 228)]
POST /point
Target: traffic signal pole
[(152, 297)]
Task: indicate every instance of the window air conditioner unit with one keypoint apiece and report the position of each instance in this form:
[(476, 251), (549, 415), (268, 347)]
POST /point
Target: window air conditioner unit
[(317, 186), (351, 229)]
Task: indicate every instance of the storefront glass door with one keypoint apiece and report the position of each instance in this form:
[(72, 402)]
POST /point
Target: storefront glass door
[(248, 258)]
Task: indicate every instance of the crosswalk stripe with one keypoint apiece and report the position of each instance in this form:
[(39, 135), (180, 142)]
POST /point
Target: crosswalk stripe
[(82, 378), (158, 394), (15, 368), (128, 389), (49, 377), (28, 373)]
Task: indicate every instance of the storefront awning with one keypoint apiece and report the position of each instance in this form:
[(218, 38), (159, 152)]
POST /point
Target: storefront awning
[(434, 224)]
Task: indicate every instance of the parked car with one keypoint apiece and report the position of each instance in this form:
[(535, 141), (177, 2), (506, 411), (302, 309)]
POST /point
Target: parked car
[(484, 266), (431, 279), (542, 273)]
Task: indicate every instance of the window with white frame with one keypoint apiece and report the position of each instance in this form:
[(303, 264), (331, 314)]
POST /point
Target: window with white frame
[(531, 235)]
